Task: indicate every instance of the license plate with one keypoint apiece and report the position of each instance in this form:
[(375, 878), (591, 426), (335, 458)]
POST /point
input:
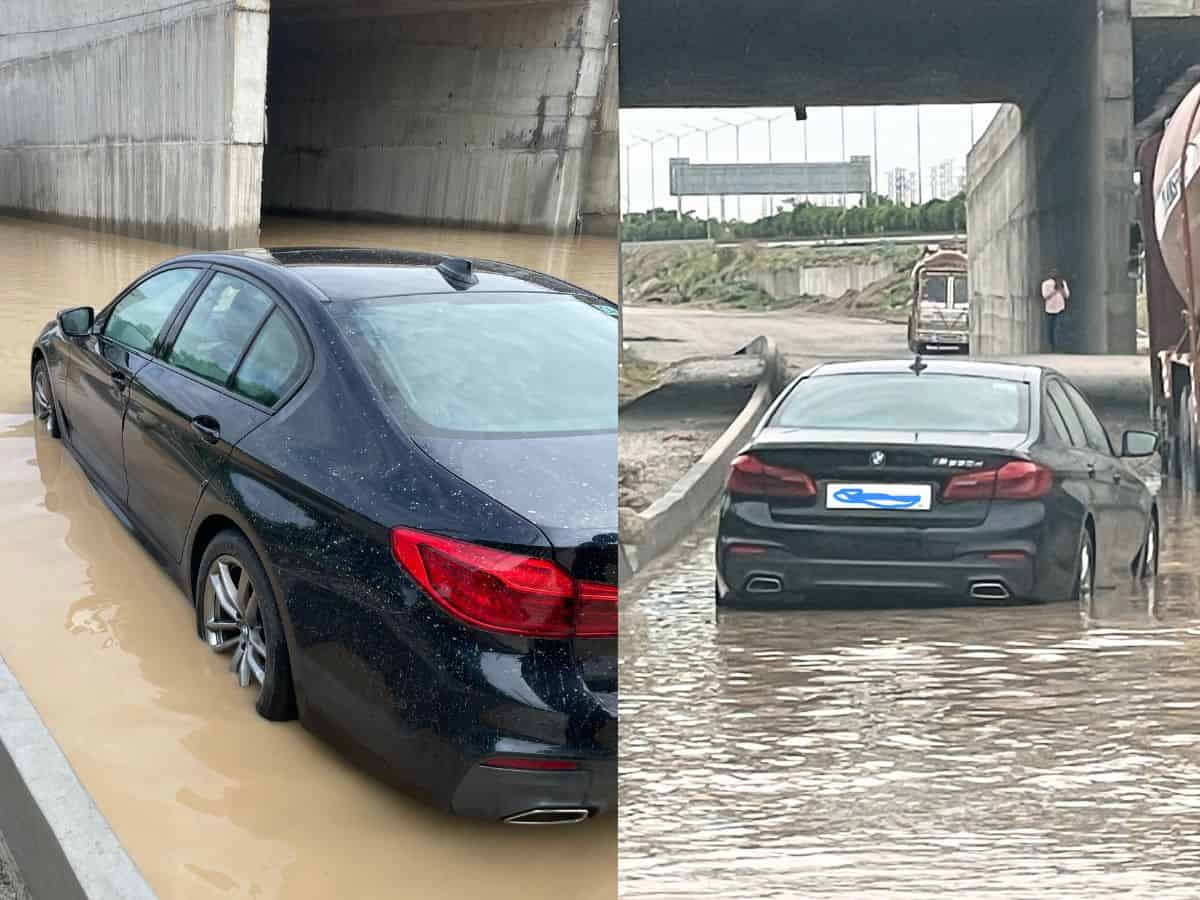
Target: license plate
[(879, 496)]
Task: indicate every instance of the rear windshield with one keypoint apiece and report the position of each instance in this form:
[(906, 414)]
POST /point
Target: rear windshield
[(907, 402), (495, 363)]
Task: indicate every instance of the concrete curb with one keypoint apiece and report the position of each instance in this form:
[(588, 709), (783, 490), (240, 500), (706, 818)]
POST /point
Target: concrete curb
[(674, 514), (62, 845)]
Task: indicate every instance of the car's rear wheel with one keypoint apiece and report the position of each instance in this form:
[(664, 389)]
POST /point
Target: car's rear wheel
[(1148, 558), (236, 615), (43, 399), (1085, 568)]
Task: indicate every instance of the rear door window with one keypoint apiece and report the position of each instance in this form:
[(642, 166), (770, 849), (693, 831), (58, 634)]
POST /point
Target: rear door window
[(1093, 428), (1066, 412), (139, 317), (218, 328), (1056, 426), (273, 363)]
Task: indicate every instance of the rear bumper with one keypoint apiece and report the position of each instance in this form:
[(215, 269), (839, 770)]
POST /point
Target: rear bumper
[(750, 578), (952, 563), (499, 794)]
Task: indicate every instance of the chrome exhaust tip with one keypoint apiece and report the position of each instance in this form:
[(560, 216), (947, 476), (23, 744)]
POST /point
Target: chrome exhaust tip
[(764, 584), (990, 590), (549, 817)]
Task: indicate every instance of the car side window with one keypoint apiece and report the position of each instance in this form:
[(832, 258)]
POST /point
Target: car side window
[(1066, 412), (1097, 436), (1055, 424), (273, 363), (219, 327), (140, 316)]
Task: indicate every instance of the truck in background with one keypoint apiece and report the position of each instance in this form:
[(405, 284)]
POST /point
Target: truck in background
[(1168, 160), (939, 317)]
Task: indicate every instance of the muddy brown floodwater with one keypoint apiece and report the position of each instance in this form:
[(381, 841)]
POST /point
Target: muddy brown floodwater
[(986, 752), (209, 799)]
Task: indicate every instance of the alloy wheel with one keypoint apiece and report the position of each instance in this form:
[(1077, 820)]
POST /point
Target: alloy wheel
[(232, 621), (1150, 552), (1087, 572), (42, 406)]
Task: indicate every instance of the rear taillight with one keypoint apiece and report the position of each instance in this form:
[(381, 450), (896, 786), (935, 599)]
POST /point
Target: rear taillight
[(751, 477), (531, 763), (506, 592), (1017, 480)]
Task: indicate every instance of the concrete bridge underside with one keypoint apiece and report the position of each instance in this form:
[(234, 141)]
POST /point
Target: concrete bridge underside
[(184, 122), (1049, 184)]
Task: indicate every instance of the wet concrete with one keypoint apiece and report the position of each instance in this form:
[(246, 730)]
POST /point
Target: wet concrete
[(854, 751), (209, 799)]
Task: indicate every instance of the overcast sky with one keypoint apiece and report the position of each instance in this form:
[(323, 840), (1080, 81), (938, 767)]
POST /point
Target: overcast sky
[(945, 134)]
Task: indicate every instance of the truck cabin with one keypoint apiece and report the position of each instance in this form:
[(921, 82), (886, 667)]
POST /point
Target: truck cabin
[(940, 315)]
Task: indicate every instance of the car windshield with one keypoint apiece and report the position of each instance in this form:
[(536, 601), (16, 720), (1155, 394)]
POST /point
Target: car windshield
[(489, 363), (935, 289), (907, 402)]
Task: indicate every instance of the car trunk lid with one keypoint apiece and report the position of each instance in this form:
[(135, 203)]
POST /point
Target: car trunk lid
[(565, 485), (883, 458)]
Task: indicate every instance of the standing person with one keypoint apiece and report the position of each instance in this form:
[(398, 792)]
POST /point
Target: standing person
[(1055, 293)]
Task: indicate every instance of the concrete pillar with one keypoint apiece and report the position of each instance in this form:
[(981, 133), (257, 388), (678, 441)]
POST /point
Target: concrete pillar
[(1049, 185), (600, 209), (138, 116)]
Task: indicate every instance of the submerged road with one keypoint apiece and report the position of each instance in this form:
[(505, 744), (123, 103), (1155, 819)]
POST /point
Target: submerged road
[(209, 799), (909, 751), (990, 752)]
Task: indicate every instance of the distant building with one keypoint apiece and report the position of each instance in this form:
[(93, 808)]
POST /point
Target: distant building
[(947, 179), (902, 186)]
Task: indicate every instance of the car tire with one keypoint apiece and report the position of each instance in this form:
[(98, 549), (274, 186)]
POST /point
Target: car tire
[(1149, 554), (243, 620), (44, 408), (1085, 568)]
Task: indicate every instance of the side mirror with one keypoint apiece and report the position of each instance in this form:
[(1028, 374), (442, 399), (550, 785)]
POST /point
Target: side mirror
[(76, 322), (1136, 444)]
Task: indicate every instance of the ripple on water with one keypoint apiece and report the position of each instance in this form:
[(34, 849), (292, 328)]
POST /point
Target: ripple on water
[(995, 752)]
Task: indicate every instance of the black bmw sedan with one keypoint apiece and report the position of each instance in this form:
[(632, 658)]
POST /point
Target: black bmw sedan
[(940, 478), (387, 482)]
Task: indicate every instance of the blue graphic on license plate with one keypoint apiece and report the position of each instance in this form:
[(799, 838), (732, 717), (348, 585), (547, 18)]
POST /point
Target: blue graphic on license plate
[(876, 499)]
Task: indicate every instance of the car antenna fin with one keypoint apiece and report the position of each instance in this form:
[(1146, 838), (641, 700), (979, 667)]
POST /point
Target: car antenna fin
[(918, 365)]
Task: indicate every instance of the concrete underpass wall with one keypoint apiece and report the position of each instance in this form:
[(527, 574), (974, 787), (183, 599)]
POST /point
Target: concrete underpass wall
[(1000, 231), (137, 116), (1050, 185), (479, 117)]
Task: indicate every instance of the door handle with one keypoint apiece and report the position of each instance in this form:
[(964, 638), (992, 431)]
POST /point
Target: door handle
[(1117, 477), (1091, 470), (208, 428)]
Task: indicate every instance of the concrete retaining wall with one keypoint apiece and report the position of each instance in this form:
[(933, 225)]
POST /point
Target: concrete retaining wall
[(482, 117), (150, 117), (133, 116), (820, 281), (673, 515)]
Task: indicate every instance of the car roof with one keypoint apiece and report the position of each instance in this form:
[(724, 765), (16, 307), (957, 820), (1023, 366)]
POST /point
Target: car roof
[(998, 370), (357, 273)]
